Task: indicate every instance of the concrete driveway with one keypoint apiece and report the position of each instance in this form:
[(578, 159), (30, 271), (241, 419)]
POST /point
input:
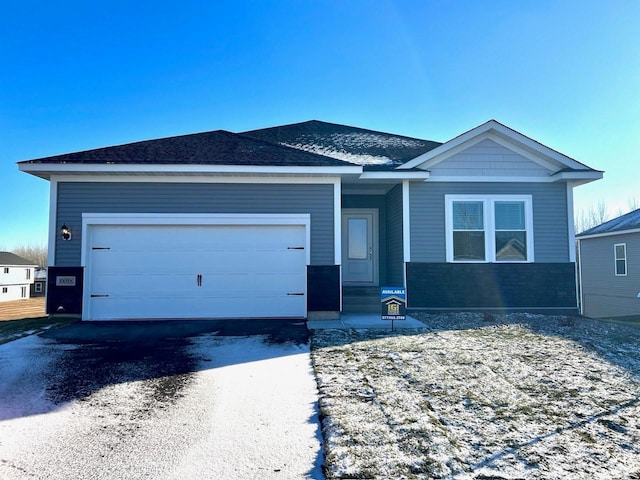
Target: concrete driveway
[(160, 400)]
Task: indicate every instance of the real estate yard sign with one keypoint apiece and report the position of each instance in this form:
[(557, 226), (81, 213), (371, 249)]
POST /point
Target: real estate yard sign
[(394, 303)]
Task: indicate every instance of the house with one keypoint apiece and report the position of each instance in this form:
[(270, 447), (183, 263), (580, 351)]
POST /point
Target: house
[(39, 287), (308, 220), (609, 261), (16, 276)]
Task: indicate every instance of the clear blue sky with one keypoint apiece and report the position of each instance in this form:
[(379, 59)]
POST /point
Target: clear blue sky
[(80, 75)]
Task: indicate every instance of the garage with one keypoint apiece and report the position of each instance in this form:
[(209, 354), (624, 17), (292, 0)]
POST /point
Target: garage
[(200, 267)]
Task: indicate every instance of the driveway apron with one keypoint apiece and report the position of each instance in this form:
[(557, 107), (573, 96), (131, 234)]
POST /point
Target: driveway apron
[(212, 402)]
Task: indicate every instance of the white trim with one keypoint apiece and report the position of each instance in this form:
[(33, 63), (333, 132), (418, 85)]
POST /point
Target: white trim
[(395, 175), (506, 179), (570, 224), (406, 224), (608, 234), (89, 219), (615, 260), (337, 224), (488, 202), (53, 223), (196, 179), (585, 175), (111, 168)]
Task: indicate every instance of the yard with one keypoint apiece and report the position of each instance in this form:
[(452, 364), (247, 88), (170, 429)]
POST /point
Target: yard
[(476, 397)]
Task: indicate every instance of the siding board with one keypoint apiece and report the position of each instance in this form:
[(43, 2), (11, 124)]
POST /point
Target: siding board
[(74, 198), (550, 224)]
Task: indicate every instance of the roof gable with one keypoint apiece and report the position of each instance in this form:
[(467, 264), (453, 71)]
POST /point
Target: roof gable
[(351, 144), (515, 142), (488, 158)]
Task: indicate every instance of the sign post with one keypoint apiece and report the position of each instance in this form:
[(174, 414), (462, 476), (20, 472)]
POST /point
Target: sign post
[(394, 303)]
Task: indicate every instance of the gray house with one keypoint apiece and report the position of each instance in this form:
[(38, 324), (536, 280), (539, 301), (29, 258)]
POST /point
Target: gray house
[(308, 220), (609, 258)]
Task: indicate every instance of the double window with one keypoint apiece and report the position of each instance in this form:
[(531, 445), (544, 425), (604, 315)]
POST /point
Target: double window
[(484, 228), (620, 254)]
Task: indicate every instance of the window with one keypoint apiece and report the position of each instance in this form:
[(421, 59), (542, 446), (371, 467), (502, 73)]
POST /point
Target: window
[(6, 269), (23, 292), (5, 289), (38, 287), (28, 274), (484, 228), (620, 254)]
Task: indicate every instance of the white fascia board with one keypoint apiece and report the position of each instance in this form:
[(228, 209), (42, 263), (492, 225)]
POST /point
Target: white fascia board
[(156, 169), (585, 176), (496, 131), (608, 234), (395, 175)]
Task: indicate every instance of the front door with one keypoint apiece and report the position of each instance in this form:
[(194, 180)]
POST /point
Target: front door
[(359, 246)]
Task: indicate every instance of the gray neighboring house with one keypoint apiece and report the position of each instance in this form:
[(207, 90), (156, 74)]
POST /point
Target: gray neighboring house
[(609, 261), (16, 277), (309, 220)]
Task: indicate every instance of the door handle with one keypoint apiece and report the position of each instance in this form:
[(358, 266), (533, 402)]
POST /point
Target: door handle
[(370, 252), (199, 280)]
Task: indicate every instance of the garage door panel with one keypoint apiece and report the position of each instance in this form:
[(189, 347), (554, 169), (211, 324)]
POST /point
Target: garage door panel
[(152, 271)]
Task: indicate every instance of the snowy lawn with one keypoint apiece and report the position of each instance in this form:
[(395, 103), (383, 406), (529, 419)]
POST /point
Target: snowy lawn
[(511, 397)]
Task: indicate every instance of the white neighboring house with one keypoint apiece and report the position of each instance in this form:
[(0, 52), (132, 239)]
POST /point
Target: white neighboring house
[(16, 277)]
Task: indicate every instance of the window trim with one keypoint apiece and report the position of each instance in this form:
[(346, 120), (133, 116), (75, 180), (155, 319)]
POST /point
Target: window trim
[(488, 202), (616, 259)]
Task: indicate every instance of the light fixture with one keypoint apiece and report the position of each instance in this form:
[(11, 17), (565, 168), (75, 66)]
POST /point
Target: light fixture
[(65, 232)]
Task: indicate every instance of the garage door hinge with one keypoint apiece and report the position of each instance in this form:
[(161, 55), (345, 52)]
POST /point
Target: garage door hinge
[(98, 296), (295, 248), (100, 248), (301, 294)]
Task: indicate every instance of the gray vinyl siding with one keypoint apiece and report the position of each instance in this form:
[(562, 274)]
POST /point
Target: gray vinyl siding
[(603, 293), (74, 198), (550, 221), (485, 159), (395, 260)]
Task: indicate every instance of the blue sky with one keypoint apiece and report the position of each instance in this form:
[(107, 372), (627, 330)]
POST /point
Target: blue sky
[(81, 75)]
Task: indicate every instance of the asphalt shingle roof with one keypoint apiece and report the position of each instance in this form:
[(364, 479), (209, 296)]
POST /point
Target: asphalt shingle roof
[(352, 144), (218, 147), (629, 221), (8, 258)]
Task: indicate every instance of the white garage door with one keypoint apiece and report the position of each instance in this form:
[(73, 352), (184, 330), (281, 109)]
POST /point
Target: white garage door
[(195, 271)]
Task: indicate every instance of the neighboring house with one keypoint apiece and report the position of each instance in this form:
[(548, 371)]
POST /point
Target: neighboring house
[(310, 219), (609, 260), (16, 276), (39, 287)]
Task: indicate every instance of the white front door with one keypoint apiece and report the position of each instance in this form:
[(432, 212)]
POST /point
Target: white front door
[(359, 246)]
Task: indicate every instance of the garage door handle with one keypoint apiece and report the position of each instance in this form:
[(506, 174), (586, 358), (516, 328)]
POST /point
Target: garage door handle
[(295, 248), (300, 294), (98, 296)]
